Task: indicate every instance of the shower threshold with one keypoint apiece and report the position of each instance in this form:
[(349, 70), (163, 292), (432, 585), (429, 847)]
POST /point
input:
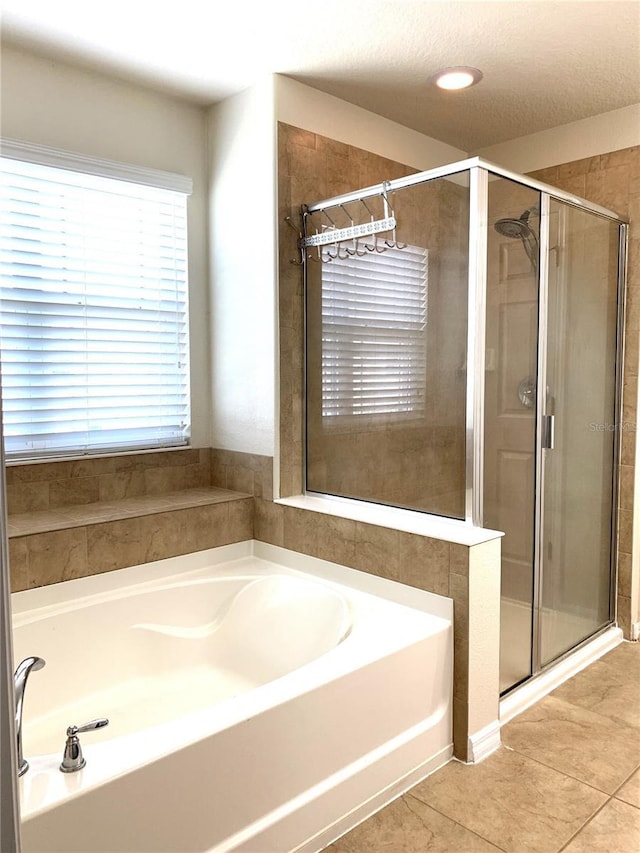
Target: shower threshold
[(541, 684)]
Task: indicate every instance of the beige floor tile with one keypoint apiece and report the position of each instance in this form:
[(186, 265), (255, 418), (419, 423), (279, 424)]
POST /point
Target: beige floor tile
[(609, 687), (630, 791), (594, 749), (624, 660), (615, 829), (407, 826), (514, 802)]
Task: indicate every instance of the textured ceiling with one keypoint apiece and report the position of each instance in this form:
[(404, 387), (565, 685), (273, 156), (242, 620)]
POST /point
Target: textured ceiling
[(544, 63)]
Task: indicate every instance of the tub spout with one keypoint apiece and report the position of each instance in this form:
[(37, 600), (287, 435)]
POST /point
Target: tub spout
[(19, 684)]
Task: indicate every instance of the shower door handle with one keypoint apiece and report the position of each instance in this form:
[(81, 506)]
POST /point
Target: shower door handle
[(548, 432)]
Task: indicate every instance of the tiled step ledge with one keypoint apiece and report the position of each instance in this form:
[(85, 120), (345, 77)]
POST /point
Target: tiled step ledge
[(53, 546), (100, 512)]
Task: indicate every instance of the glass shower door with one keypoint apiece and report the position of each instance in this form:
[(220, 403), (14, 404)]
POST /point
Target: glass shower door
[(549, 421), (510, 410), (578, 431)]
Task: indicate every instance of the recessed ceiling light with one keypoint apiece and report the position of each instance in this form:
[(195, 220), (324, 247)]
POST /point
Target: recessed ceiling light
[(459, 77)]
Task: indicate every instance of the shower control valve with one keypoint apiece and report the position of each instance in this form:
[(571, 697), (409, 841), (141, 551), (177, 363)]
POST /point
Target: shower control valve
[(527, 392), (73, 758)]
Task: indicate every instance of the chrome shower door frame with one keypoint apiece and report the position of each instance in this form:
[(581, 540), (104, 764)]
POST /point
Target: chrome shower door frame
[(541, 394), (476, 344), (623, 255)]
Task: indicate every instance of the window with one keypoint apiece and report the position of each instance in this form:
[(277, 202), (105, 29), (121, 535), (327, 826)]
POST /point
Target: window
[(93, 300), (374, 320)]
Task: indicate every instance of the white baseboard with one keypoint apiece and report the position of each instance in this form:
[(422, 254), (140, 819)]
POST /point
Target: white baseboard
[(484, 742), (635, 631)]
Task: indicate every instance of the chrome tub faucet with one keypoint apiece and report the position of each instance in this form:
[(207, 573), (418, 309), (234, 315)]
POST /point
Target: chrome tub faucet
[(73, 759), (19, 684)]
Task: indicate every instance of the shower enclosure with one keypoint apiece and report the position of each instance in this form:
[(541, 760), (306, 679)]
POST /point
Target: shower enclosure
[(463, 351)]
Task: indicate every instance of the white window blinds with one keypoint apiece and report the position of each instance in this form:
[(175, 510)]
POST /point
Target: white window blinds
[(93, 312), (374, 321)]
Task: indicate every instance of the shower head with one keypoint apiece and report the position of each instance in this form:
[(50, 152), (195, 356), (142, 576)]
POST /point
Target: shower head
[(516, 227), (520, 229), (512, 228)]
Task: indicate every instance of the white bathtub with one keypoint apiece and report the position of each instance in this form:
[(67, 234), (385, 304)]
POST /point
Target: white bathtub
[(258, 700)]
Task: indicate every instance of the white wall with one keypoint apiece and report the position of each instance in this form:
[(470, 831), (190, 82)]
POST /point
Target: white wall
[(49, 103), (589, 137), (310, 109), (242, 175)]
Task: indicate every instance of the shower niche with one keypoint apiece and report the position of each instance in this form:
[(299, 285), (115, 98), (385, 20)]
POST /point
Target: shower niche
[(463, 341)]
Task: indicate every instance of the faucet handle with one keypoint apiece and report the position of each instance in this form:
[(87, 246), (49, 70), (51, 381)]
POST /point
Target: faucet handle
[(87, 727), (73, 758)]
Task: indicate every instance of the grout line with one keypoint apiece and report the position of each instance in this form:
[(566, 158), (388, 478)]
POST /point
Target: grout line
[(586, 823), (607, 719), (626, 803), (560, 849), (622, 784), (457, 822), (561, 772)]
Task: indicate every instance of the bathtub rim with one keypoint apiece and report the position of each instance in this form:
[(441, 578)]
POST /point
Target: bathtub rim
[(183, 566)]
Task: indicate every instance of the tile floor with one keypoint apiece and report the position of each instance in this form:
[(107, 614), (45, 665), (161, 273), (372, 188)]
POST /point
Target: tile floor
[(567, 778)]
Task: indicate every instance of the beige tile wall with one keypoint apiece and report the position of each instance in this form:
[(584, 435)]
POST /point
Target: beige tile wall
[(65, 522), (242, 472), (415, 560), (33, 487), (60, 555)]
